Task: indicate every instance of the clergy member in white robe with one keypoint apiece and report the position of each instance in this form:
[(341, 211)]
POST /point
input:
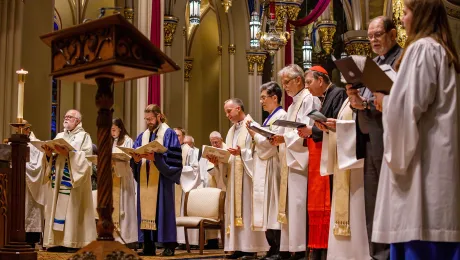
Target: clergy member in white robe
[(266, 179), (347, 232), (417, 208), (35, 191), (239, 236), (124, 189), (69, 214), (292, 210)]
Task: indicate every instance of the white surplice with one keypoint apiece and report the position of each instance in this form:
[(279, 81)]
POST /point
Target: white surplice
[(190, 179), (79, 227), (266, 179), (419, 185), (339, 155), (35, 191), (128, 201), (240, 238), (294, 232), (217, 177)]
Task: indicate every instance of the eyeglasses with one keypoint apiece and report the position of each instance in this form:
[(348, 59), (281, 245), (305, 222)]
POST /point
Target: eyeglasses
[(284, 83), (375, 35), (69, 117), (149, 119), (262, 98)]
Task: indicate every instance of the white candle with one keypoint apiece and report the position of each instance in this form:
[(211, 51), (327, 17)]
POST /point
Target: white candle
[(21, 79)]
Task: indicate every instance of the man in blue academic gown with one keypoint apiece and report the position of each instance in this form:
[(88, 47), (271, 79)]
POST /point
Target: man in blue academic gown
[(156, 175)]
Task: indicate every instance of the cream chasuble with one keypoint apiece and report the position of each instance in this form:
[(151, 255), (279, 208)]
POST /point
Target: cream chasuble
[(69, 213), (348, 234), (294, 171), (266, 179), (238, 204)]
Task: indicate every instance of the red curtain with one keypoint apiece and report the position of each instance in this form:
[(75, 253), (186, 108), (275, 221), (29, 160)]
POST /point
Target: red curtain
[(313, 15), (155, 37)]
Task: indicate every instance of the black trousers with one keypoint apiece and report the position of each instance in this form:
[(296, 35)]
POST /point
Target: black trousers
[(274, 240), (372, 165), (150, 237)]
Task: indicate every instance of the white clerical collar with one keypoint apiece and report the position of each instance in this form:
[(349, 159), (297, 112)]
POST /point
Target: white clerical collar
[(239, 124), (298, 95)]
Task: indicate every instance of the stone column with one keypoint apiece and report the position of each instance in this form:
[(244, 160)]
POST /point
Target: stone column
[(256, 60), (231, 52), (169, 29)]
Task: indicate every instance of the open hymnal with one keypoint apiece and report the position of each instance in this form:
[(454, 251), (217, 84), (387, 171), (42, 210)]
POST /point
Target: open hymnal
[(289, 124), (152, 147), (376, 78), (52, 144), (261, 130), (222, 154), (320, 118)]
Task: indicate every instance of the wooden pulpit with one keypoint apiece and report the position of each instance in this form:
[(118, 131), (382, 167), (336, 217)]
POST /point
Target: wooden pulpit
[(102, 52)]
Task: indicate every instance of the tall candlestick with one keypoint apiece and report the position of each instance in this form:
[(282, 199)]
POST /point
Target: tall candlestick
[(21, 79)]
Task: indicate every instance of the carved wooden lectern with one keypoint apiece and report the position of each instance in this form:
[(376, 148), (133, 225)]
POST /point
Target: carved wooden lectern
[(102, 52)]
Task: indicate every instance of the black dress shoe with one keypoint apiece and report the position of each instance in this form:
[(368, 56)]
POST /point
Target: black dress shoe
[(274, 257), (147, 253), (239, 254), (298, 256), (168, 252), (60, 249)]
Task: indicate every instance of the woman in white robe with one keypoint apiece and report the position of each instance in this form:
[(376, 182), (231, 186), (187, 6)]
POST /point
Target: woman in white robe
[(417, 209), (127, 213)]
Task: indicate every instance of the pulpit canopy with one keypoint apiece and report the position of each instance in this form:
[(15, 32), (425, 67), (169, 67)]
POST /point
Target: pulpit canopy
[(109, 47)]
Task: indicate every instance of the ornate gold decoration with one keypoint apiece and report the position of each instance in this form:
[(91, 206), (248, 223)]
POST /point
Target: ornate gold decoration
[(293, 12), (232, 48), (129, 14), (362, 48), (219, 50), (326, 32), (188, 65), (401, 37), (170, 23), (256, 58), (3, 194), (281, 11), (273, 40), (227, 4)]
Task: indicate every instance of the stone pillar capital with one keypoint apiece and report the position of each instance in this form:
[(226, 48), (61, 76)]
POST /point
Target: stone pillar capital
[(170, 24), (188, 66), (256, 57)]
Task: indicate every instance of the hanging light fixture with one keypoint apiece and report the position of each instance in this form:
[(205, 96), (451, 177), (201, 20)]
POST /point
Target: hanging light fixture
[(254, 26), (307, 51), (194, 6), (343, 55)]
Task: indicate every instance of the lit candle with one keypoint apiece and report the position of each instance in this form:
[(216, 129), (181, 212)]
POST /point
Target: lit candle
[(21, 79)]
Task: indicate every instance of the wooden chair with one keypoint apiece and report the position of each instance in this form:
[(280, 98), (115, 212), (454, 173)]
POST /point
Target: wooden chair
[(203, 209)]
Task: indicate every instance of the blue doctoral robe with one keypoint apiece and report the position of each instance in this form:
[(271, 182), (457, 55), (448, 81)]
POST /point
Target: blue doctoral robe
[(169, 165)]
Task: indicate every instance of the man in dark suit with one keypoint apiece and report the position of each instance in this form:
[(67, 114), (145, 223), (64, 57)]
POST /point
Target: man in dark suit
[(369, 145), (318, 83)]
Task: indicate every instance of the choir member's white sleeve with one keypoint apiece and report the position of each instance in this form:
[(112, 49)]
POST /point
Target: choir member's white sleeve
[(346, 145), (412, 93), (34, 175), (79, 168), (246, 156)]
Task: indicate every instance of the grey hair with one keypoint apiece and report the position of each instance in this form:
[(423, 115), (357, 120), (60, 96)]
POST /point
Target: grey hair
[(360, 61), (191, 138), (77, 114), (292, 71), (215, 134), (236, 101)]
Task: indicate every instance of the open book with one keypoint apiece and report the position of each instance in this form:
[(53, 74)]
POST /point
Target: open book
[(320, 118), (152, 147), (289, 124), (222, 154), (261, 130), (376, 78), (52, 144)]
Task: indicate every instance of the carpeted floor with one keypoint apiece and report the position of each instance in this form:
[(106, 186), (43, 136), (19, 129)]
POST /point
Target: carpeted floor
[(180, 254)]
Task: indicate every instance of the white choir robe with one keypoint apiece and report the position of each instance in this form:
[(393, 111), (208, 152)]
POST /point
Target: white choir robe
[(190, 179), (128, 199), (79, 227), (35, 191), (339, 155), (240, 238), (266, 179), (419, 182), (294, 232)]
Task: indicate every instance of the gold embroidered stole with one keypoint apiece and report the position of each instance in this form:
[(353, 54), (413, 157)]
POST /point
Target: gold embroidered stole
[(178, 188), (116, 200), (291, 116), (237, 164), (342, 186), (149, 186)]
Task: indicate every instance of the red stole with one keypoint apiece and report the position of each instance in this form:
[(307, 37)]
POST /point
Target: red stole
[(319, 199)]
